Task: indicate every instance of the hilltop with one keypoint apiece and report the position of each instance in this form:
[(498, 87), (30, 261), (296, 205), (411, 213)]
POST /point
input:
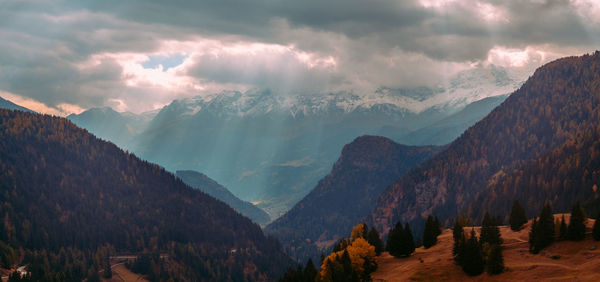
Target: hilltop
[(565, 260)]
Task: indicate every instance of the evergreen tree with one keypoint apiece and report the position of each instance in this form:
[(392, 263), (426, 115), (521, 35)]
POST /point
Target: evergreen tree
[(393, 241), (562, 235), (400, 242), (407, 243), (576, 229), (542, 230), (518, 217), (533, 237), (310, 271), (459, 242), (472, 261), (596, 228), (430, 233), (490, 233), (438, 225), (349, 272), (375, 241), (495, 261)]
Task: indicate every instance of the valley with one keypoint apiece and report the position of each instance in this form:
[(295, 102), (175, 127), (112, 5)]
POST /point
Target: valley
[(299, 141)]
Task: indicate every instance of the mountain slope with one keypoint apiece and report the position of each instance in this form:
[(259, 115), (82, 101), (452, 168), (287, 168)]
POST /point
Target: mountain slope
[(272, 148), (6, 104), (106, 123), (67, 194), (365, 168), (203, 183), (560, 101), (448, 129), (564, 176)]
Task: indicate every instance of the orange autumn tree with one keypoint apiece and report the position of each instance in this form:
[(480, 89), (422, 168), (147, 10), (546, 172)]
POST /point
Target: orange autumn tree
[(350, 262)]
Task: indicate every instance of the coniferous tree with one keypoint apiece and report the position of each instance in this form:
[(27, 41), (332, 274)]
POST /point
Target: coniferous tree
[(459, 242), (495, 261), (349, 272), (375, 241), (490, 233), (310, 271), (407, 244), (562, 233), (533, 237), (472, 261), (438, 226), (394, 238), (518, 217), (546, 226), (576, 229), (430, 233), (596, 228), (542, 231)]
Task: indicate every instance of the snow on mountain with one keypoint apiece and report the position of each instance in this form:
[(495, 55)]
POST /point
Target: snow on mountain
[(462, 89)]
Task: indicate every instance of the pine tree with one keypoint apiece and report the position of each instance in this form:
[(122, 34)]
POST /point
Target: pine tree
[(495, 261), (518, 217), (489, 231), (393, 240), (459, 242), (576, 229), (429, 233), (375, 241), (546, 226), (349, 272), (310, 271), (542, 230), (596, 228), (438, 226), (407, 243), (562, 235), (472, 262)]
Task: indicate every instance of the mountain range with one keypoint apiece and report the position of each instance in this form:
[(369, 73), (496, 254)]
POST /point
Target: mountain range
[(499, 158), (271, 149), (6, 104), (70, 200)]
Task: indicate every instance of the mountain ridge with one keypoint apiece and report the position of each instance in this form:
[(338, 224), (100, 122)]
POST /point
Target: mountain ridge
[(556, 103), (364, 169), (205, 184)]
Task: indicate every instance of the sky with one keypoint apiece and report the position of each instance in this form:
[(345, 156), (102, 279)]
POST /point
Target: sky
[(62, 57)]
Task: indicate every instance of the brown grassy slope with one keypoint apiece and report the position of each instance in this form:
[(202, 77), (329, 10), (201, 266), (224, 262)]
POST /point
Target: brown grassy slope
[(578, 261)]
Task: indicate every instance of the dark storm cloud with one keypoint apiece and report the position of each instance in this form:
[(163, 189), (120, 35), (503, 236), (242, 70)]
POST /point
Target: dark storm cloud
[(371, 42)]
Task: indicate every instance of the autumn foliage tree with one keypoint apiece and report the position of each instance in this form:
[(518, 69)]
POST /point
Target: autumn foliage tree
[(355, 262)]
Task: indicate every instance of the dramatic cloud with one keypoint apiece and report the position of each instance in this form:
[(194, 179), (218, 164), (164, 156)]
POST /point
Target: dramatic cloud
[(139, 55)]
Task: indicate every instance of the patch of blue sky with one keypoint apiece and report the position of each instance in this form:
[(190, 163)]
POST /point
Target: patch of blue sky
[(169, 61)]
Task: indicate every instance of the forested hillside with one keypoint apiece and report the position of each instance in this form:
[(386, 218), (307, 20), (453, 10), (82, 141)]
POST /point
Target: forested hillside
[(566, 175), (558, 103), (69, 200), (365, 168)]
